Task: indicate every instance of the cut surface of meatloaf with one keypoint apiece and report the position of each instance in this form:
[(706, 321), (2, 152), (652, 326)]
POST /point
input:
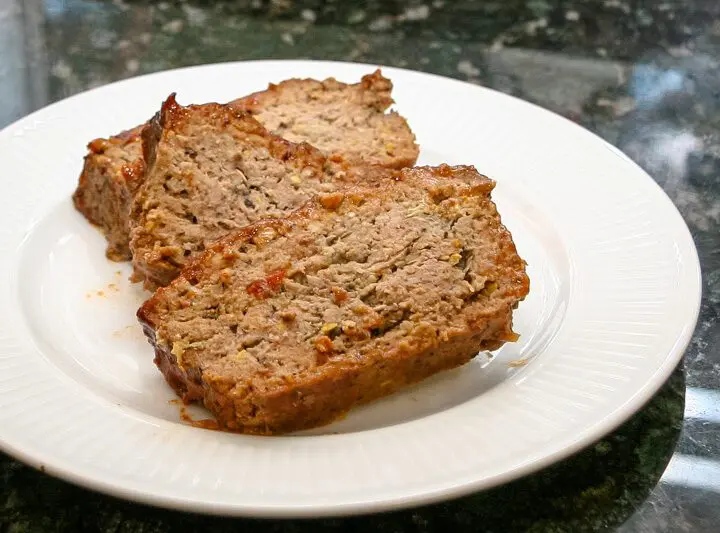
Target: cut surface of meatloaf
[(212, 169), (338, 119), (288, 323), (112, 171), (341, 118)]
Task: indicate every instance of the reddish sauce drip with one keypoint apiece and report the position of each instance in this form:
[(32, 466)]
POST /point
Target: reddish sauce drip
[(98, 146), (130, 173), (204, 423), (264, 288)]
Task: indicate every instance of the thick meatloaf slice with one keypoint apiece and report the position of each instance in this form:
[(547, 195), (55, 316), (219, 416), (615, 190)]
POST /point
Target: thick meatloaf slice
[(340, 118), (112, 171), (212, 169), (289, 323)]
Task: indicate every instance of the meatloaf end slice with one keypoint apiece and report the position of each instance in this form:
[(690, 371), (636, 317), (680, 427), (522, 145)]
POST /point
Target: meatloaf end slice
[(289, 323), (212, 169), (338, 118), (112, 171), (113, 168)]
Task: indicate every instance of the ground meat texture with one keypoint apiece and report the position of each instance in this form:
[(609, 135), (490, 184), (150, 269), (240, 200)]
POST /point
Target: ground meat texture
[(427, 276), (112, 171), (338, 119), (348, 121), (213, 169)]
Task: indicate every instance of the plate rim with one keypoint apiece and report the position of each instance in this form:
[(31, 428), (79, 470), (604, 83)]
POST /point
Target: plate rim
[(638, 400)]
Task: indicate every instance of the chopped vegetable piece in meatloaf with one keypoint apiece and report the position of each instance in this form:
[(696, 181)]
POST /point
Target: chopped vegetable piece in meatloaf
[(341, 119), (289, 323), (212, 169)]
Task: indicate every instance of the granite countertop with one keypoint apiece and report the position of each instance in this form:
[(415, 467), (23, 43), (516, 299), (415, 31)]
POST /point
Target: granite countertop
[(643, 75)]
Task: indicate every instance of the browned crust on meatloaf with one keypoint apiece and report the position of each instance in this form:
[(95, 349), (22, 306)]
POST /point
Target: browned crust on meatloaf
[(321, 394), (326, 396), (112, 171), (114, 167), (369, 134)]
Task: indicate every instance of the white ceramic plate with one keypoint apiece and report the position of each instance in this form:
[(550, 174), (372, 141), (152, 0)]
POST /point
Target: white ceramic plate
[(614, 299)]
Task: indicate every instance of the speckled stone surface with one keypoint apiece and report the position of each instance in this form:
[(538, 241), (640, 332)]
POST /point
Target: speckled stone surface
[(643, 75)]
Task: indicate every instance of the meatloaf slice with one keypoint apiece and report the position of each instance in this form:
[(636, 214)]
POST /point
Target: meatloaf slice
[(112, 171), (340, 118), (212, 169), (289, 323)]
